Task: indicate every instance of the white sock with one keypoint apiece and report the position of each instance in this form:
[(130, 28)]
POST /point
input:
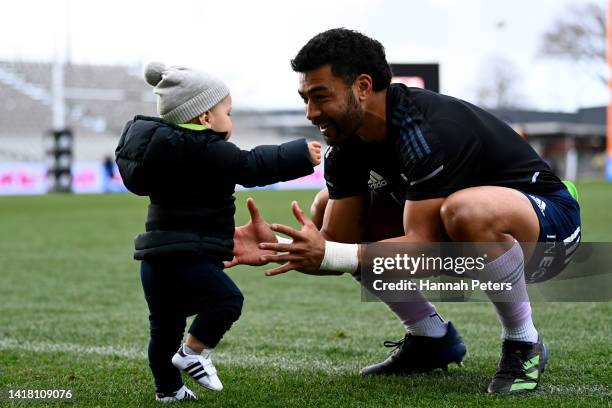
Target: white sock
[(188, 350), (431, 326), (512, 306), (525, 332)]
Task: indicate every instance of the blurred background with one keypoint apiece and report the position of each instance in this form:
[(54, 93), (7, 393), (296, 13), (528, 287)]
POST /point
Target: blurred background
[(71, 73)]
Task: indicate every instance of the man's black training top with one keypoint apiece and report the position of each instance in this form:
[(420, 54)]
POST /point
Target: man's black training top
[(436, 145)]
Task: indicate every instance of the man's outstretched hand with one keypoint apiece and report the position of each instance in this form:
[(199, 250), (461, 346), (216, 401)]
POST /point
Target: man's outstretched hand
[(248, 237), (304, 254)]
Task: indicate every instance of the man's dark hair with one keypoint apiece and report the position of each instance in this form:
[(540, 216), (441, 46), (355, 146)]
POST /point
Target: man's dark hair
[(349, 53)]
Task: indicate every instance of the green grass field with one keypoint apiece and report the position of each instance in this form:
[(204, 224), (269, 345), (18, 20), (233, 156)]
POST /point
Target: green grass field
[(72, 316)]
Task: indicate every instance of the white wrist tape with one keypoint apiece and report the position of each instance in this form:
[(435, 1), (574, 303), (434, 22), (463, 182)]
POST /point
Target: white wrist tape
[(283, 240), (340, 257)]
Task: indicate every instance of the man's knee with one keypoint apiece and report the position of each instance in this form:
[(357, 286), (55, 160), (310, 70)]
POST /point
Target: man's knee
[(464, 220)]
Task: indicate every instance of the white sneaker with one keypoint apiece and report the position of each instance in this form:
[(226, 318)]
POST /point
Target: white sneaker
[(199, 367), (183, 394)]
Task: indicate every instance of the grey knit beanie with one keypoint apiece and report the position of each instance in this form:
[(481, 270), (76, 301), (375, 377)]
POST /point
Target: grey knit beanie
[(183, 93)]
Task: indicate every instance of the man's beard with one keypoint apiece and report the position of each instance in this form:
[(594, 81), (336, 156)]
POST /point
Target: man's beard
[(347, 124)]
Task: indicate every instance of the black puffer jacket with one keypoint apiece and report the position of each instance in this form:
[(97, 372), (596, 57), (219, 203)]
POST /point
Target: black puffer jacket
[(190, 177)]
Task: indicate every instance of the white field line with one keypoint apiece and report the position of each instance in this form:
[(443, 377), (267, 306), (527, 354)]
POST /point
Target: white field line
[(286, 363), (283, 363)]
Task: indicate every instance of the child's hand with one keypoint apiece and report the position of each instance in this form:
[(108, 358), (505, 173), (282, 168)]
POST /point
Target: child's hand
[(314, 148)]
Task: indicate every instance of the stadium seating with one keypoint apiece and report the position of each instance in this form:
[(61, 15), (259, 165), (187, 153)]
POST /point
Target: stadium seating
[(100, 99)]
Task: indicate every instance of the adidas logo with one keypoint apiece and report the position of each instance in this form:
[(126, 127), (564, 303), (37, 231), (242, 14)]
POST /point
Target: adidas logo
[(541, 204), (376, 181)]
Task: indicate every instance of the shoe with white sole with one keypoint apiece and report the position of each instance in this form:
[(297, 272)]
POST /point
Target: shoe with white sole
[(199, 367), (183, 394)]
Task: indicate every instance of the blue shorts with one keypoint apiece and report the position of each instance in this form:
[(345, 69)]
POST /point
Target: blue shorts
[(559, 216)]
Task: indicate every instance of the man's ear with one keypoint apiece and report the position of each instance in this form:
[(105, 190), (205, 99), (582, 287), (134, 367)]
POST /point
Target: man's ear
[(363, 86), (205, 118)]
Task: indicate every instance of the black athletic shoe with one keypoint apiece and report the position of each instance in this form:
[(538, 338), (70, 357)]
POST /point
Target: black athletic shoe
[(417, 354), (520, 367)]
